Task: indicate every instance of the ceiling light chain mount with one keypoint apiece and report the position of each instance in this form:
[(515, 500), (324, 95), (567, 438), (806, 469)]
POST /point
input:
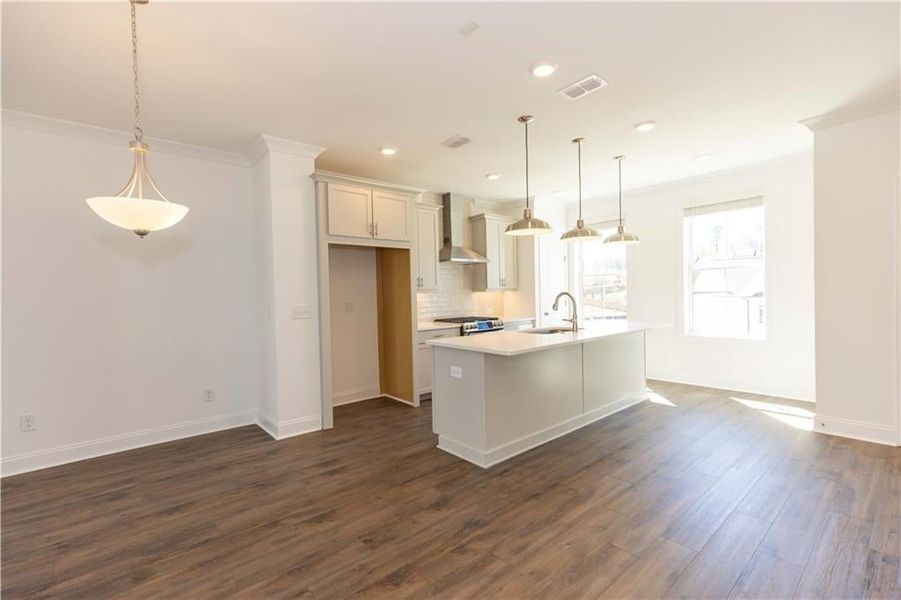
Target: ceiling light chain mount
[(130, 209)]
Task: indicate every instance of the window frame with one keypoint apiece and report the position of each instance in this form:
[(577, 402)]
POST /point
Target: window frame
[(683, 271)]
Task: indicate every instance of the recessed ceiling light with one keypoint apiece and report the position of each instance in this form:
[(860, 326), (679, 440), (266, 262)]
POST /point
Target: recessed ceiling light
[(543, 68), (388, 151), (645, 126), (492, 176), (703, 157)]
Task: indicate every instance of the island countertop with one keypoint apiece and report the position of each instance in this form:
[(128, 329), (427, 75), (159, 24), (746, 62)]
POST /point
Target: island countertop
[(513, 343)]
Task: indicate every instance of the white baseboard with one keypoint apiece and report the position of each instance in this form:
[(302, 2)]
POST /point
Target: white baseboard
[(729, 385), (858, 430), (60, 455), (288, 428), (355, 395), (396, 399), (526, 443)]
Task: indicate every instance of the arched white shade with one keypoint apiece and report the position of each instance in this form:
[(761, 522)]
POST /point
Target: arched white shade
[(141, 215)]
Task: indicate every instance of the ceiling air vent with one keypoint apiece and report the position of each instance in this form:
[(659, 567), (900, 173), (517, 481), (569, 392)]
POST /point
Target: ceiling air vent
[(583, 87), (456, 141)]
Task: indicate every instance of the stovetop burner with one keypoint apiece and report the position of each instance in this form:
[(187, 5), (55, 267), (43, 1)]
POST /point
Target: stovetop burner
[(465, 319)]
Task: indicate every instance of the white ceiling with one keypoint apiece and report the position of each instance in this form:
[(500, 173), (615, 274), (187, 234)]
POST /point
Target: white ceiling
[(728, 79)]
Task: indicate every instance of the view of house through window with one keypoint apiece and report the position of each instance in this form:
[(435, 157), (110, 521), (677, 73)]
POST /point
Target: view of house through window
[(603, 277), (724, 270)]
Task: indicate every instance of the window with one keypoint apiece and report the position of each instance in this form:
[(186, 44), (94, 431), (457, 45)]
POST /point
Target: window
[(603, 277), (724, 270)]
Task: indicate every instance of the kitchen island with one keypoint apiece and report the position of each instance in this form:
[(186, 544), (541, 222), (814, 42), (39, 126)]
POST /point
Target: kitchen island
[(496, 395)]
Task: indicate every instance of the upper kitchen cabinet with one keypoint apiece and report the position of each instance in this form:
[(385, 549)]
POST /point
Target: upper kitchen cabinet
[(428, 238), (488, 239), (358, 211), (349, 211), (390, 219)]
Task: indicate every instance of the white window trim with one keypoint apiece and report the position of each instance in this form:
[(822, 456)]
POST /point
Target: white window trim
[(682, 332)]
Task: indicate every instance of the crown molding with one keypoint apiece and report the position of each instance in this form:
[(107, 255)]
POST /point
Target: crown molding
[(264, 144), (330, 176), (35, 122), (853, 112)]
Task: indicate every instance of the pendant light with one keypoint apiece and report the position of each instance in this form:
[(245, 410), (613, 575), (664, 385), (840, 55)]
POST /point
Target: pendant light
[(130, 208), (581, 233), (527, 225), (621, 236)]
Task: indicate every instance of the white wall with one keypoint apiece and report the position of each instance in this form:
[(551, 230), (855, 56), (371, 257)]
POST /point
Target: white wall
[(857, 274), (355, 332), (110, 339), (783, 364), (287, 253)]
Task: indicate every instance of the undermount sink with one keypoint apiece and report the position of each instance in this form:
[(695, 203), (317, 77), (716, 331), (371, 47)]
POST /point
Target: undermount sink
[(546, 330)]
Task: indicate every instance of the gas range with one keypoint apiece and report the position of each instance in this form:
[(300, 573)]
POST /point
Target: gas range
[(471, 325)]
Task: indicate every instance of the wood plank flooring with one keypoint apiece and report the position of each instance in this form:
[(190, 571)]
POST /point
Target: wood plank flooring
[(707, 498)]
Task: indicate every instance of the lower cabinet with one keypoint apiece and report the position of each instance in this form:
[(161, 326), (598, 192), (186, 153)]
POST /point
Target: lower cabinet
[(423, 360)]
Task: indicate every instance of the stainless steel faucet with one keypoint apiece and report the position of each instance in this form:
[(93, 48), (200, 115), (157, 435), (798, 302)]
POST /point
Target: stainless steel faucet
[(572, 302)]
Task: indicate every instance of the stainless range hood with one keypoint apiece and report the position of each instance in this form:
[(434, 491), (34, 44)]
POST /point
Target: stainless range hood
[(454, 249)]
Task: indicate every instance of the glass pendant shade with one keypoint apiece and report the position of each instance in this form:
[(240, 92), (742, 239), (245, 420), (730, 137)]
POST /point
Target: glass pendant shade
[(621, 236), (581, 233), (527, 225), (130, 209)]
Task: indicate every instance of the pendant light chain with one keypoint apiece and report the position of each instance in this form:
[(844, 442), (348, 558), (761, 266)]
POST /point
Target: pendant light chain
[(619, 164), (139, 132), (527, 163), (580, 178)]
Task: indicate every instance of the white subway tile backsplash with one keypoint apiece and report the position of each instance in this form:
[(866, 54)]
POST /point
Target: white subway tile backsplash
[(455, 297)]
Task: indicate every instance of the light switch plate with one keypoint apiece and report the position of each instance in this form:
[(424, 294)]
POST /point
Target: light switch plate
[(456, 372), (300, 312)]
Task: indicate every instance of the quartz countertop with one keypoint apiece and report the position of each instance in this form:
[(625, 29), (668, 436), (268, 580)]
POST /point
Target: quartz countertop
[(512, 343)]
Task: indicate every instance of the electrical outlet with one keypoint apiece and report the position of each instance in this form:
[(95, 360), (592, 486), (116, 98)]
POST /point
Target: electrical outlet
[(457, 372), (349, 307), (28, 423), (209, 394)]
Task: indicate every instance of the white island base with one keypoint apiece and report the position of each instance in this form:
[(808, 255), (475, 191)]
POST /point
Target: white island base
[(497, 395)]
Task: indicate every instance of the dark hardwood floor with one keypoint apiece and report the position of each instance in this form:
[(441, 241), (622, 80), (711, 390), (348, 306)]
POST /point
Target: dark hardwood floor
[(708, 497)]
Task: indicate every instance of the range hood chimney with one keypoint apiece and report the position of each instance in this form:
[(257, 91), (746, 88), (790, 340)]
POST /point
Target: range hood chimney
[(453, 250)]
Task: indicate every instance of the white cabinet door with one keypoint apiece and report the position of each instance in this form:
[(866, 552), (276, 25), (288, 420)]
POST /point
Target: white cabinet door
[(423, 359), (423, 368), (349, 211), (508, 260), (427, 249), (494, 247), (389, 216)]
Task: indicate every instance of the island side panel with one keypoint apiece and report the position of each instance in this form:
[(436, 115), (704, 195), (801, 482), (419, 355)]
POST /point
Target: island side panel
[(614, 370), (528, 394), (458, 404)]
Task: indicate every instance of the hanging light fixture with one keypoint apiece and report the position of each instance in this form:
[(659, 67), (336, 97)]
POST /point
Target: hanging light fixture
[(621, 236), (130, 209), (581, 233), (527, 225)]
